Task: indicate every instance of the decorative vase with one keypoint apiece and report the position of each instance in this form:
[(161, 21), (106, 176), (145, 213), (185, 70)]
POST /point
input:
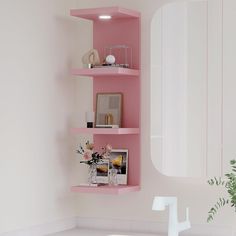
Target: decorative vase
[(92, 174)]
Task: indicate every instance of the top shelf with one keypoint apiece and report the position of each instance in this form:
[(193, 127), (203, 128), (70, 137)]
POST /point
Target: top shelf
[(114, 71), (114, 12)]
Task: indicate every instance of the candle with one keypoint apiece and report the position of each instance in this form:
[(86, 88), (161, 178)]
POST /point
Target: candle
[(90, 119)]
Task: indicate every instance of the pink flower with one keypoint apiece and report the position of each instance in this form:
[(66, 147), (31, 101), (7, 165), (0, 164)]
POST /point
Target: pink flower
[(107, 151), (87, 155), (108, 148)]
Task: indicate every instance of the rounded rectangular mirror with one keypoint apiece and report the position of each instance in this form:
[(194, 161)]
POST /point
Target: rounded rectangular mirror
[(192, 125)]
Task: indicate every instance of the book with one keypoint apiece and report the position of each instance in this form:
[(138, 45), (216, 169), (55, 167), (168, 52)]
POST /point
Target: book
[(107, 126), (91, 185)]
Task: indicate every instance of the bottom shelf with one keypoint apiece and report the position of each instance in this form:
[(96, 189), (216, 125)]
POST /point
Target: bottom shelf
[(120, 189)]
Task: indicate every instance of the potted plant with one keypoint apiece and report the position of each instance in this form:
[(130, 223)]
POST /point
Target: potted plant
[(229, 183), (93, 158)]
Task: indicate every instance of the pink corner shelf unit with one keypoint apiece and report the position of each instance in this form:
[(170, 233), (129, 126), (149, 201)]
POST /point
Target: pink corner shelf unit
[(122, 29)]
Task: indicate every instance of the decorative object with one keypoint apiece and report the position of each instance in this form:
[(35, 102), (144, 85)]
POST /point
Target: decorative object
[(90, 119), (89, 66), (110, 59), (93, 159), (119, 165), (113, 181), (108, 109), (108, 126), (91, 58), (121, 53), (230, 185), (92, 174)]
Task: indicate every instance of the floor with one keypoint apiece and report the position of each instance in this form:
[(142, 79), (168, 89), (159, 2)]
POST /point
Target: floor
[(86, 232)]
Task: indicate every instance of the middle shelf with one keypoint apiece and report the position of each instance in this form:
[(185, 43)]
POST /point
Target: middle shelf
[(105, 130)]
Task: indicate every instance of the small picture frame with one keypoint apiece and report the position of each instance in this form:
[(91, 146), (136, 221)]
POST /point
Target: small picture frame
[(108, 110), (103, 172), (119, 160)]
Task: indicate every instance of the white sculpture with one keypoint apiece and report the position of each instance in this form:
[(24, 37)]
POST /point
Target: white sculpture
[(159, 204), (91, 57)]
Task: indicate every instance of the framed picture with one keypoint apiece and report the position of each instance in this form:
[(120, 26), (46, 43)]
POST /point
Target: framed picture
[(119, 160), (108, 110), (103, 172)]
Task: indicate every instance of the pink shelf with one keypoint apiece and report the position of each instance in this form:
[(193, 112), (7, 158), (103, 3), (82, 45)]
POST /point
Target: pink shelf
[(114, 71), (105, 131), (123, 28), (106, 189), (115, 12)]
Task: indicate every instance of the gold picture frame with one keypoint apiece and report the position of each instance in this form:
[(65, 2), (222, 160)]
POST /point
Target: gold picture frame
[(108, 110)]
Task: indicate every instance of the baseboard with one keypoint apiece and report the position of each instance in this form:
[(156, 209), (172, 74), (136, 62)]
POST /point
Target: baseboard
[(151, 227), (45, 229), (118, 225)]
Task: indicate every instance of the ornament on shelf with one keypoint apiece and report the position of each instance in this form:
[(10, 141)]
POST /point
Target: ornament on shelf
[(110, 59), (93, 159), (119, 55), (91, 58), (90, 119)]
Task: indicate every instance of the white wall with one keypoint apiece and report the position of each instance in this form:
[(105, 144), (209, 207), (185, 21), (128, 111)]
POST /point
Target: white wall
[(194, 193), (38, 44)]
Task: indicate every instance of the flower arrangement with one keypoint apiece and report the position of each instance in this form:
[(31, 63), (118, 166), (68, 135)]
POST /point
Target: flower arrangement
[(90, 157), (230, 185)]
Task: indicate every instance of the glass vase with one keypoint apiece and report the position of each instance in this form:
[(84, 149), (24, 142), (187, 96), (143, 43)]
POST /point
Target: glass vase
[(92, 174)]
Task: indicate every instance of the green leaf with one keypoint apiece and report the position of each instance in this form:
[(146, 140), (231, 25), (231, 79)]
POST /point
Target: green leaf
[(233, 162), (211, 182)]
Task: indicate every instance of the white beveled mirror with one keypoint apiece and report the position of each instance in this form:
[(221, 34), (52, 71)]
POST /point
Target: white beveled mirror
[(193, 61)]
